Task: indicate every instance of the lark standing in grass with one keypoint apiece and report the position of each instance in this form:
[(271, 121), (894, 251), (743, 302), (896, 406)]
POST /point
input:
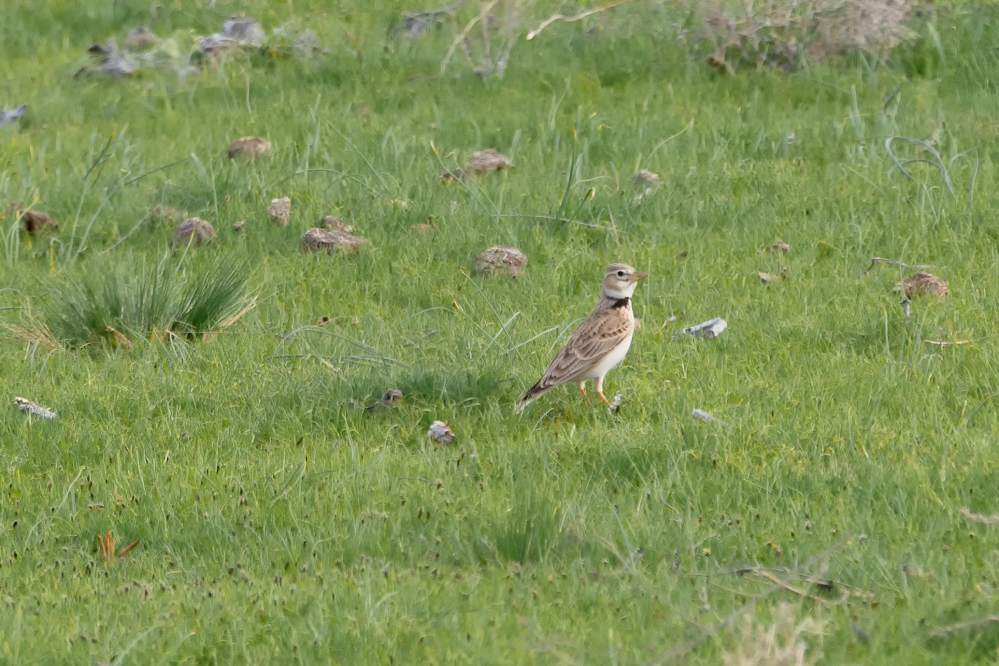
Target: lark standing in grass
[(599, 344)]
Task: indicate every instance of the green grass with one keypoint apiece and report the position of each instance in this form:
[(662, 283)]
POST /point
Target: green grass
[(280, 525)]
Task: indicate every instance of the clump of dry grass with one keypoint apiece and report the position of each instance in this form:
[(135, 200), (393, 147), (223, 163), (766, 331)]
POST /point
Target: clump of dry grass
[(488, 38), (782, 644), (781, 33)]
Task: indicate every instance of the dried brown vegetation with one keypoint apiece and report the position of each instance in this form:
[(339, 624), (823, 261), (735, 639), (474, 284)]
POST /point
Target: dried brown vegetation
[(782, 644), (782, 34)]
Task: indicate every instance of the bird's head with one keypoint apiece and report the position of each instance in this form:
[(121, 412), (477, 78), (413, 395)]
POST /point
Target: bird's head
[(620, 281)]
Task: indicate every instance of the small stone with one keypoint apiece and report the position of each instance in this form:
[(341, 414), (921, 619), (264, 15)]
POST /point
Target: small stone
[(500, 259), (317, 239), (35, 222), (248, 146), (280, 211), (923, 284), (765, 277), (193, 230), (486, 161), (440, 432)]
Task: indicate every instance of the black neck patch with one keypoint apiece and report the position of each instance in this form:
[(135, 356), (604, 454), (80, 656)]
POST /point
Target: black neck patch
[(620, 303)]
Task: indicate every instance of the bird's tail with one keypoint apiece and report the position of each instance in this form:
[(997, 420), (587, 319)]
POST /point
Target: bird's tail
[(530, 396)]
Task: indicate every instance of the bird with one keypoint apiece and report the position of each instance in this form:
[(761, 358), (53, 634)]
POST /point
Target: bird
[(599, 344)]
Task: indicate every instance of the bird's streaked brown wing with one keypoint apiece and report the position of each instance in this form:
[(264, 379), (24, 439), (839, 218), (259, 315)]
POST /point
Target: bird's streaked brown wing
[(595, 338)]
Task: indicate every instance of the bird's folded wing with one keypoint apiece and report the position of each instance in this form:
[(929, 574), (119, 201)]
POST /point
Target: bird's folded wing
[(595, 338)]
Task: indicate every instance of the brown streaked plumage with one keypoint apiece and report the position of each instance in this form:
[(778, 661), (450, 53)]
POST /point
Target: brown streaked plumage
[(599, 344)]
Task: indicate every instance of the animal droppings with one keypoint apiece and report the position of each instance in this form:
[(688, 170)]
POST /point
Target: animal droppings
[(779, 246), (765, 278), (923, 284), (486, 161), (280, 211), (28, 407), (193, 230), (248, 146), (440, 432), (35, 222), (500, 259), (317, 239)]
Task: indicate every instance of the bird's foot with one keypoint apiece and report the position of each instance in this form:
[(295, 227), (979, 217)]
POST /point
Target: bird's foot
[(603, 397), (582, 392)]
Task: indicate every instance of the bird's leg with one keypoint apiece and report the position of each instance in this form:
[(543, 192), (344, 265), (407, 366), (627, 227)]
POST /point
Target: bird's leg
[(599, 386), (582, 391)]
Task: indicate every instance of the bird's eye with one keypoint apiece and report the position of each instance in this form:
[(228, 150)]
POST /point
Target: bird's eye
[(620, 273)]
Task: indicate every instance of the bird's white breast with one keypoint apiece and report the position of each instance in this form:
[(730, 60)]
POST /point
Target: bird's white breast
[(614, 356)]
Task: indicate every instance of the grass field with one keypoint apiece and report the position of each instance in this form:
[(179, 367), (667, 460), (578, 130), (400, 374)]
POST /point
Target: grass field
[(279, 524)]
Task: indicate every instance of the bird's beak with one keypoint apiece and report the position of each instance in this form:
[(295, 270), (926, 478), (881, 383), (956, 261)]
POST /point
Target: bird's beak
[(638, 275)]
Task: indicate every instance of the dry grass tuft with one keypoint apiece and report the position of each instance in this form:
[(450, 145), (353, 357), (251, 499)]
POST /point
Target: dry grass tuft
[(783, 644), (782, 33), (923, 284)]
